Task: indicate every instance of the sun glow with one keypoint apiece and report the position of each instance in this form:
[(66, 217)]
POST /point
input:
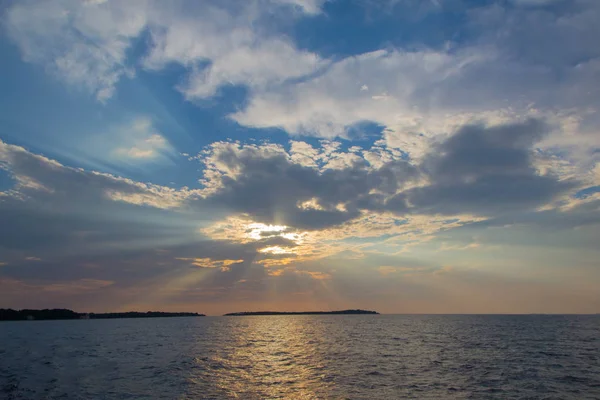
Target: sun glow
[(258, 231), (276, 250), (303, 245)]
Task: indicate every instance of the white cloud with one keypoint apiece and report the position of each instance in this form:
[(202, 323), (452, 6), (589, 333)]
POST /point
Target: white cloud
[(596, 174), (87, 43), (230, 49), (533, 2), (222, 161), (208, 262), (327, 104), (140, 141), (304, 154), (267, 63), (56, 187), (82, 43), (307, 6)]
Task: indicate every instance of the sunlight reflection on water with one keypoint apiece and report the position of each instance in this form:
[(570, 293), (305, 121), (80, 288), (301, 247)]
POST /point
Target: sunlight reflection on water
[(277, 354)]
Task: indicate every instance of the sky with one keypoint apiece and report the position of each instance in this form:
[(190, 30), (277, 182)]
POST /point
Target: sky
[(406, 156)]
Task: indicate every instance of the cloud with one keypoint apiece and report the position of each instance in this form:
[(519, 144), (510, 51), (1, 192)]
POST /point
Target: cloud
[(61, 186), (82, 43), (328, 103), (265, 183), (221, 44), (139, 141), (317, 275), (503, 71), (533, 2), (284, 204), (487, 170), (558, 38), (77, 287), (386, 270), (168, 246), (488, 139), (59, 208), (70, 217), (207, 262), (416, 95), (89, 44), (97, 248), (259, 65), (80, 286), (478, 170), (538, 62), (307, 6)]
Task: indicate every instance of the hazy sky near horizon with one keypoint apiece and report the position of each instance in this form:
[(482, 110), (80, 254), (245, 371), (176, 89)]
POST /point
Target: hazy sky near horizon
[(427, 156)]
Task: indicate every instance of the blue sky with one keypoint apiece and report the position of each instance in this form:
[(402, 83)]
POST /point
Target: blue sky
[(402, 155)]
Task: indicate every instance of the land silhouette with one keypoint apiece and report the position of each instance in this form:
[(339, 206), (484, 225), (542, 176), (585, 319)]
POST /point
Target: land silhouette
[(340, 312), (7, 314), (63, 313)]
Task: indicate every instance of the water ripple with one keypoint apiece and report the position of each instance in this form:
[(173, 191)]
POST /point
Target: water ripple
[(303, 357)]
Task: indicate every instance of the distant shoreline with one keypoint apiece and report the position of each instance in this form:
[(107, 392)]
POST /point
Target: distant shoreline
[(341, 312), (66, 314)]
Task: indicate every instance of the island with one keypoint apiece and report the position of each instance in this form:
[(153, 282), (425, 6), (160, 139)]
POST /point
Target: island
[(341, 312), (63, 313)]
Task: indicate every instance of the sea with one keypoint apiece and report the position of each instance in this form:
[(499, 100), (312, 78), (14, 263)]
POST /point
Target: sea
[(304, 357)]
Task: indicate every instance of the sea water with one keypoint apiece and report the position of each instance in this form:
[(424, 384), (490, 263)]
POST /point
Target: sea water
[(303, 357)]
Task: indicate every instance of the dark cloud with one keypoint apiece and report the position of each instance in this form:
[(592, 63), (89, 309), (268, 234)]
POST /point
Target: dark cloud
[(484, 171), (272, 189), (54, 207), (481, 170), (488, 195), (476, 151), (555, 34), (583, 214)]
